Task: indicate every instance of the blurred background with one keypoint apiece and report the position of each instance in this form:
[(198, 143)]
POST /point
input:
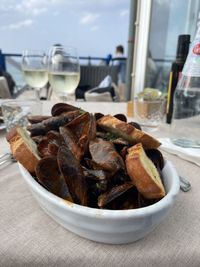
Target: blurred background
[(147, 30)]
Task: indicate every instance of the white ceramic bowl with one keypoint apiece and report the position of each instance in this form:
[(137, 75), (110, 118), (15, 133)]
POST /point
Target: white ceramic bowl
[(107, 226)]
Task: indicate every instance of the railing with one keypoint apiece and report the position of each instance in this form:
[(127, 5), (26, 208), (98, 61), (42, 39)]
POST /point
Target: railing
[(89, 59), (14, 66)]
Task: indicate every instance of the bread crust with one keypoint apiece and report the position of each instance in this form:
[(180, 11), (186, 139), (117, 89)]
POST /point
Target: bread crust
[(128, 132), (21, 150), (143, 173)]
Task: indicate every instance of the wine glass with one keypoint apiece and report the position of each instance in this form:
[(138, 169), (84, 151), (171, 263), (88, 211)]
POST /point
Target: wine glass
[(34, 67), (64, 71)]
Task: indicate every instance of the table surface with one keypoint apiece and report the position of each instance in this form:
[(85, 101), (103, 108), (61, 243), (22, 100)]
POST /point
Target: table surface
[(29, 237)]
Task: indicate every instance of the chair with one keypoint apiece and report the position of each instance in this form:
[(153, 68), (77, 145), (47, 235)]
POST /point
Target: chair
[(93, 75), (98, 97), (4, 89)]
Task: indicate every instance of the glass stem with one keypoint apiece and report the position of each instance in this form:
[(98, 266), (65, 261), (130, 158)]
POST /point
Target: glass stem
[(37, 93)]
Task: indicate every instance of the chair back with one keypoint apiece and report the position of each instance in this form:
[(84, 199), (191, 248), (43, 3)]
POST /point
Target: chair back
[(4, 89), (93, 75)]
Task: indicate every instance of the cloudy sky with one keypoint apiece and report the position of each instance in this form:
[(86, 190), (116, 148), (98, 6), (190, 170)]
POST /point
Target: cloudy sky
[(95, 27)]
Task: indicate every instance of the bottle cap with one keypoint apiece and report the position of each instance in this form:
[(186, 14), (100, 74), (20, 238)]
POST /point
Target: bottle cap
[(183, 46)]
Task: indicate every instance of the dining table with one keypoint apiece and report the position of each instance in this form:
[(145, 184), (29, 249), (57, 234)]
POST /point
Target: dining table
[(29, 237)]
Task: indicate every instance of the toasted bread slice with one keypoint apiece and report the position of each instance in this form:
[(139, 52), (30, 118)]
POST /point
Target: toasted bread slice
[(23, 148), (127, 131), (143, 173)]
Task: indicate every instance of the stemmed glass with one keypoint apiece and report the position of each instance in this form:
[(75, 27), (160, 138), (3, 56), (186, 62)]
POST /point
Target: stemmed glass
[(34, 67), (64, 71)]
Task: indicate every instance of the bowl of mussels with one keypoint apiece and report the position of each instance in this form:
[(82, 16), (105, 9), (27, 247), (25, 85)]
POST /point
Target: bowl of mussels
[(99, 176)]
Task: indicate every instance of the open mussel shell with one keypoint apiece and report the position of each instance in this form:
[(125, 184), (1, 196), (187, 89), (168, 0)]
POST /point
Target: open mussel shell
[(49, 144), (43, 147), (48, 174), (60, 108), (98, 115), (105, 156), (136, 125), (123, 196), (156, 157), (121, 117), (72, 172), (71, 141)]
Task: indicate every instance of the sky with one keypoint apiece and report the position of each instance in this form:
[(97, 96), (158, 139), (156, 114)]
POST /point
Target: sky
[(95, 27)]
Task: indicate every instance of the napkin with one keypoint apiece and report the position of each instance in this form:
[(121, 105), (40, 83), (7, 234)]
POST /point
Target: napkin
[(189, 154)]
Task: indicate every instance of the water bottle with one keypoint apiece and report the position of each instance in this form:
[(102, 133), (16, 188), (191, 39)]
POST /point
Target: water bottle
[(185, 127)]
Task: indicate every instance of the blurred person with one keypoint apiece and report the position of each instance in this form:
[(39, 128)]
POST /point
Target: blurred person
[(151, 71), (120, 60), (10, 81)]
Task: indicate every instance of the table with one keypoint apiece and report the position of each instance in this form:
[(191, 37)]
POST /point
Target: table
[(28, 237)]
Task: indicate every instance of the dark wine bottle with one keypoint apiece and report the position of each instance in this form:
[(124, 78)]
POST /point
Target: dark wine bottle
[(175, 73)]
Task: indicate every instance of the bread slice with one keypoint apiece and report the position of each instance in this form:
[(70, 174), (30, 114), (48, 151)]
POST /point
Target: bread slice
[(127, 131), (143, 173), (23, 148)]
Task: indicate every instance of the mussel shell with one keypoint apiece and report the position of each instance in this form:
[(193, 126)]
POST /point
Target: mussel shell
[(37, 118), (104, 154), (43, 147), (60, 108), (136, 125), (121, 117), (38, 138), (72, 172), (49, 176), (98, 115), (111, 195), (156, 156), (71, 141)]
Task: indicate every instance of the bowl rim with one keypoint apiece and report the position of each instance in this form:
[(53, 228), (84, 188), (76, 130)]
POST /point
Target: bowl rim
[(106, 213)]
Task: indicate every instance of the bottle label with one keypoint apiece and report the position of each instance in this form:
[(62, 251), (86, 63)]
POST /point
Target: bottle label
[(169, 91), (192, 64)]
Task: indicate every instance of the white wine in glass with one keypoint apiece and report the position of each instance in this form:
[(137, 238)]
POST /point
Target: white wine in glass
[(34, 67), (64, 71)]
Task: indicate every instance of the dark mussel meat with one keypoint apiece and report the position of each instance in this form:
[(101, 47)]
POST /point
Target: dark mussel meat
[(48, 174), (73, 174)]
